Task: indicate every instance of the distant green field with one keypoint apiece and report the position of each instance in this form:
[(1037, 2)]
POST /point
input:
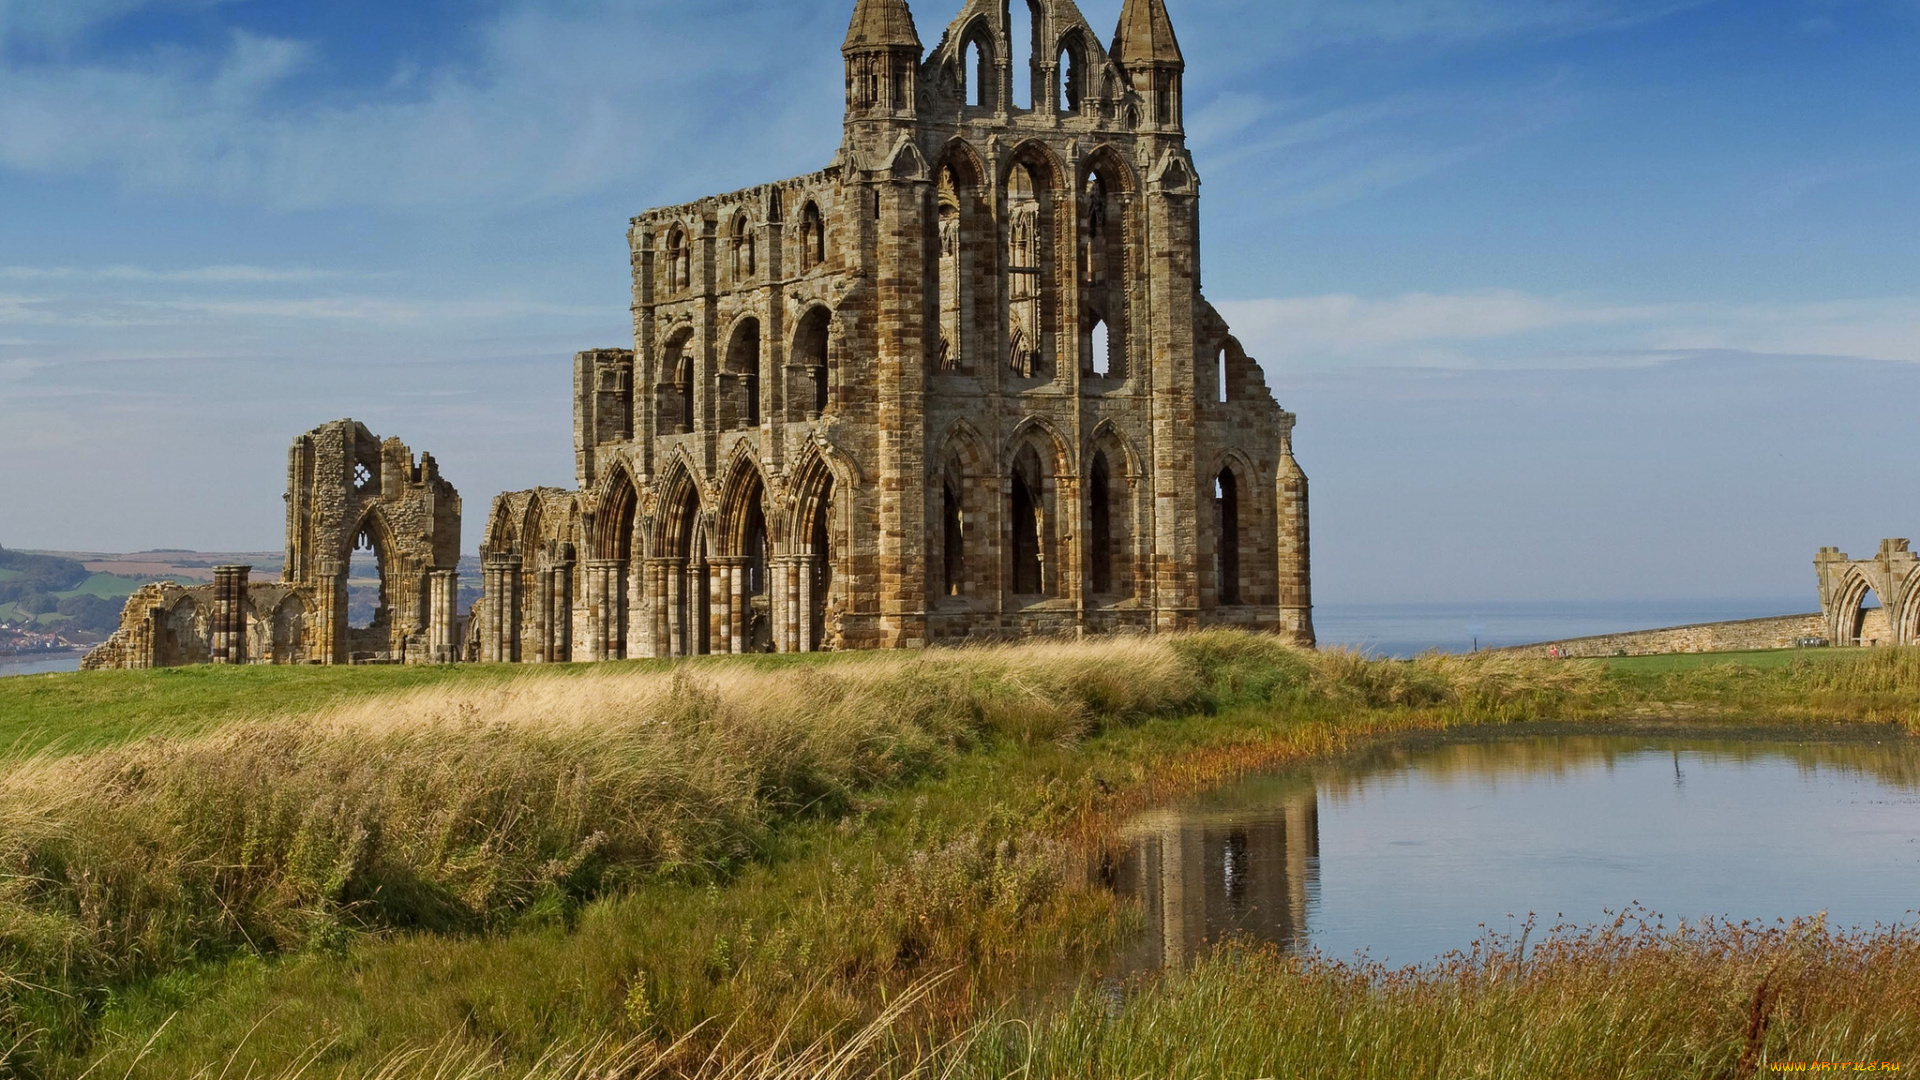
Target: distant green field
[(9, 575), (1660, 665), (106, 587)]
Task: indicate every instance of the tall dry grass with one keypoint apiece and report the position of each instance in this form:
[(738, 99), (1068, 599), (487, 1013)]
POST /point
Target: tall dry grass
[(465, 808)]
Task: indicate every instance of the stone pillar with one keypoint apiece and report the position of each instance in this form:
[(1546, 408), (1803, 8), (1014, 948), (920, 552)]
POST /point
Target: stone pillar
[(443, 617), (679, 611), (500, 634), (606, 587), (1296, 559), (229, 626), (803, 567), (560, 621), (330, 612)]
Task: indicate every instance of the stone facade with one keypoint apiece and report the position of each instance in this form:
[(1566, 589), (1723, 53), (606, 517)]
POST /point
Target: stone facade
[(346, 490), (1847, 586), (960, 384)]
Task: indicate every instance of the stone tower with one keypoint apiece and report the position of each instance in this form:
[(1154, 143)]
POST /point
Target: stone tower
[(960, 384)]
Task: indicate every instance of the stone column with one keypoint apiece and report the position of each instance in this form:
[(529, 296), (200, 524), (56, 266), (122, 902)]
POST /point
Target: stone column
[(500, 635), (803, 617), (560, 621), (229, 629), (1296, 565), (330, 612), (443, 602), (606, 586), (680, 613)]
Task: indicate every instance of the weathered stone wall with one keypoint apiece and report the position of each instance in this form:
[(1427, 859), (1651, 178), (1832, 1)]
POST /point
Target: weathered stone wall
[(346, 488), (960, 384), (1749, 635)]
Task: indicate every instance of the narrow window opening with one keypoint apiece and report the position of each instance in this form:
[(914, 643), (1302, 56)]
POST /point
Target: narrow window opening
[(979, 68), (1226, 501), (954, 544), (822, 571), (1027, 518), (1102, 346), (1222, 377), (366, 584), (1025, 58), (683, 380), (1101, 525), (1162, 107), (743, 363), (1072, 90)]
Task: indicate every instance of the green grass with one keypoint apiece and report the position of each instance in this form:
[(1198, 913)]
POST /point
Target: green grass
[(9, 575), (106, 587), (963, 857), (1675, 662)]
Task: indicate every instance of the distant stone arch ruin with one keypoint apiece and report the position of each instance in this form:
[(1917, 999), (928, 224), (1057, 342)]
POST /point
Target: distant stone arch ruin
[(345, 487), (1849, 586)]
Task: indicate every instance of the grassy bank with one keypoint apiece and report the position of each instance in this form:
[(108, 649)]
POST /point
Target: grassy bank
[(485, 867)]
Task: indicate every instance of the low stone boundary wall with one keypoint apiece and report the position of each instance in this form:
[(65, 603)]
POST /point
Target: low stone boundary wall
[(1784, 632)]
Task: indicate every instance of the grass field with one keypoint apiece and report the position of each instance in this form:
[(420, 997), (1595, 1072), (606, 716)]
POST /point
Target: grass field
[(708, 866)]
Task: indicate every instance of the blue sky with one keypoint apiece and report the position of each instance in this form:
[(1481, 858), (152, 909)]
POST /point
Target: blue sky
[(1575, 298)]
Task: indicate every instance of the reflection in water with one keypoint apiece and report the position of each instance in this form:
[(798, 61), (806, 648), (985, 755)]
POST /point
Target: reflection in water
[(1203, 873), (1428, 843)]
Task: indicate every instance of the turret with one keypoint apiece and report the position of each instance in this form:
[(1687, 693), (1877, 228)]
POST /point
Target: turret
[(882, 52), (1146, 49)]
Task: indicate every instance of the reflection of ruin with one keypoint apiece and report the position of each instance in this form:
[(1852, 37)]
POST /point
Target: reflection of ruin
[(347, 491), (1203, 874), (1849, 587)]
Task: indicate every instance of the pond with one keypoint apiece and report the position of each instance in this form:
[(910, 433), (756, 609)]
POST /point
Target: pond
[(1411, 850)]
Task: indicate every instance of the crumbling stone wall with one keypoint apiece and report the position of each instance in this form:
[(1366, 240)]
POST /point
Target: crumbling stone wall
[(346, 488), (960, 384)]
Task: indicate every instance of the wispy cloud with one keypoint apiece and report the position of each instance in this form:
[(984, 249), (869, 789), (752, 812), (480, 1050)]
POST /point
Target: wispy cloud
[(1505, 328), (557, 101), (207, 275)]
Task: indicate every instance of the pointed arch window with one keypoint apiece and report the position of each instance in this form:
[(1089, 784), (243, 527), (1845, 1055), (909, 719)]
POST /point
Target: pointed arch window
[(743, 250), (679, 261), (813, 237), (1029, 521), (1226, 516), (1028, 262), (1100, 524)]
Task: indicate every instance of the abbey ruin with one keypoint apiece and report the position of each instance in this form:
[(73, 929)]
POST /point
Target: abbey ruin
[(960, 384), (347, 490)]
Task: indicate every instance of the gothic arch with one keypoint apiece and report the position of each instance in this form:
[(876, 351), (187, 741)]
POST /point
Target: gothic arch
[(1104, 263), (1851, 614), (813, 237), (980, 87), (963, 499), (1116, 520), (679, 375), (742, 253), (1031, 185), (737, 387), (961, 242), (616, 525), (1238, 494), (743, 493), (818, 533), (813, 363), (1038, 468)]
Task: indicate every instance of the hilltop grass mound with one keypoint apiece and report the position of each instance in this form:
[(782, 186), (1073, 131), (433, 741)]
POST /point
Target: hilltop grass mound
[(492, 865)]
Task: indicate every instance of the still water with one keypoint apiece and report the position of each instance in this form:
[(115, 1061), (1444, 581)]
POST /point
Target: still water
[(39, 664), (1407, 852)]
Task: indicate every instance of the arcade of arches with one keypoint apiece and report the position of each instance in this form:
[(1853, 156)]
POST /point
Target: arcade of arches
[(961, 384)]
